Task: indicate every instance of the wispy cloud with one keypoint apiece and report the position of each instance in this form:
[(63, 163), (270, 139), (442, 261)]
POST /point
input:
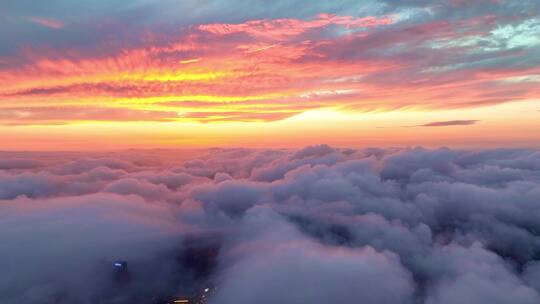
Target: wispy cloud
[(370, 61), (446, 123), (63, 115), (449, 123), (47, 22), (192, 60)]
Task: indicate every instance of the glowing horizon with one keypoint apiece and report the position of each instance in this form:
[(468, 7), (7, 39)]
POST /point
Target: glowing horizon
[(366, 75)]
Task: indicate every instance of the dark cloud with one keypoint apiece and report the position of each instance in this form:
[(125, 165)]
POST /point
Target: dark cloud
[(319, 225), (450, 123), (19, 163), (59, 250)]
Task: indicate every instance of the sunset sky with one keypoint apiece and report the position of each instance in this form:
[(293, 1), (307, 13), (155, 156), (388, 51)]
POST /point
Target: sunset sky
[(100, 74)]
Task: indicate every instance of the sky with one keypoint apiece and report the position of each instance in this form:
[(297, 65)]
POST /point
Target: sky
[(100, 75)]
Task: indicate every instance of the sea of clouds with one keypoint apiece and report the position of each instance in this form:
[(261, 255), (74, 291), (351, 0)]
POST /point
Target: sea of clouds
[(316, 225)]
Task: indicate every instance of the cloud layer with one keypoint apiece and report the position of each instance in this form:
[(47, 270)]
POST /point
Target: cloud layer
[(315, 225)]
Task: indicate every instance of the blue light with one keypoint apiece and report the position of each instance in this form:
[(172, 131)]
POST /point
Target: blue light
[(118, 264)]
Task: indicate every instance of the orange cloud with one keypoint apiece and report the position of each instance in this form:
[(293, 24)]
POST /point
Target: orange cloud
[(264, 70), (69, 114)]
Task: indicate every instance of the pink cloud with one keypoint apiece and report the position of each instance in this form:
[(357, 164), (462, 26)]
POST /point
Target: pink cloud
[(281, 29), (271, 68)]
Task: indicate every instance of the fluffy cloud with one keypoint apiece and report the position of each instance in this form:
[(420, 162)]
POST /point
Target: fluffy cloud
[(316, 225)]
